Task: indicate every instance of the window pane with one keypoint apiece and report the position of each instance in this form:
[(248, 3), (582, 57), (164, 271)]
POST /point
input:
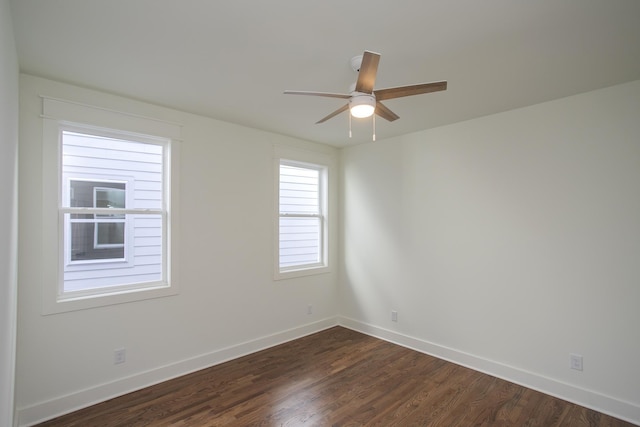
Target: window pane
[(299, 190), (85, 248), (109, 197), (109, 233), (143, 264), (96, 194), (97, 155), (299, 241)]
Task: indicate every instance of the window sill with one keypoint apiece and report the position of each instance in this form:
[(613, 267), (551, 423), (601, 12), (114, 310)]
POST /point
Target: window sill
[(75, 303), (308, 271)]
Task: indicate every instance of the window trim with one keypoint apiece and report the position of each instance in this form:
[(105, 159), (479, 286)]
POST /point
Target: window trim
[(322, 163), (68, 115)]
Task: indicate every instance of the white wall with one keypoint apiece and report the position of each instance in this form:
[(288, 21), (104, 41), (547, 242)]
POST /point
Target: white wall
[(506, 243), (228, 303), (8, 211)]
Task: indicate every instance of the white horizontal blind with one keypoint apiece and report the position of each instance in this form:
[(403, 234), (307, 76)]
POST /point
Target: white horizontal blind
[(301, 216)]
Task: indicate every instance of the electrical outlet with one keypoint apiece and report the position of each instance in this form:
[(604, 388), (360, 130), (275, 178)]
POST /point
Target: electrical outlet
[(309, 309), (576, 362), (119, 356), (394, 316)]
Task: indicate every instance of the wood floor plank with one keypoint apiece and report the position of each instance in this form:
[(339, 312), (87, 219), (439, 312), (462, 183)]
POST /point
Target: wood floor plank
[(337, 377)]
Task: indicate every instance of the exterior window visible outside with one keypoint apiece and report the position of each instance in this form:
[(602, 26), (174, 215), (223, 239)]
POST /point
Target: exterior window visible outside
[(114, 213), (302, 217), (109, 229), (96, 236)]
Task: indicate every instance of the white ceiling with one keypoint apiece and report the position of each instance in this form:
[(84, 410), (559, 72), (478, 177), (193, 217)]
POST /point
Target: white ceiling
[(231, 60)]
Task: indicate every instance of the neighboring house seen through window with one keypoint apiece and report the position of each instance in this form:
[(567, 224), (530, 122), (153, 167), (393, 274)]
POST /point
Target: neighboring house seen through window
[(96, 236)]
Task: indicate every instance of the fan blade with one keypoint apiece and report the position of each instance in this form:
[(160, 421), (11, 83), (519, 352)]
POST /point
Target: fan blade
[(335, 113), (368, 71), (385, 112), (398, 92), (325, 94)]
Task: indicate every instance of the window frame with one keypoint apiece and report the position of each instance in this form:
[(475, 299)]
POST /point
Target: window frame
[(323, 164), (110, 124)]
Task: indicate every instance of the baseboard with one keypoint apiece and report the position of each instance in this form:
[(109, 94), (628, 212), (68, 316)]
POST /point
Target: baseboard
[(623, 410), (40, 412), (43, 411)]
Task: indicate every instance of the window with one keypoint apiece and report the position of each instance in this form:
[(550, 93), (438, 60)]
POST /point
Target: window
[(113, 199), (113, 213), (95, 236), (302, 218)]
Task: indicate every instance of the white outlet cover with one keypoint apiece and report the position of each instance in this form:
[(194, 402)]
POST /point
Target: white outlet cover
[(119, 356), (576, 362)]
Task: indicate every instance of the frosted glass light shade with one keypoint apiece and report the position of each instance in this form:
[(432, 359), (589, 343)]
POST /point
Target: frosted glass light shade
[(362, 106)]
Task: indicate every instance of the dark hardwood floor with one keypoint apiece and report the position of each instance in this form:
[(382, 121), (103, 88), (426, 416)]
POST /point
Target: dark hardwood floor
[(336, 377)]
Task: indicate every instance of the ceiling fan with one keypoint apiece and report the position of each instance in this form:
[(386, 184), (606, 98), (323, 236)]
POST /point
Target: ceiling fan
[(364, 101)]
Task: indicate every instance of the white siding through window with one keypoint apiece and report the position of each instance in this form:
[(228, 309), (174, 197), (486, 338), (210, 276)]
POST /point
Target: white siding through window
[(301, 218), (97, 158)]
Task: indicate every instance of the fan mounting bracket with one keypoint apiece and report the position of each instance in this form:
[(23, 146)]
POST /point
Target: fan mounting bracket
[(356, 62)]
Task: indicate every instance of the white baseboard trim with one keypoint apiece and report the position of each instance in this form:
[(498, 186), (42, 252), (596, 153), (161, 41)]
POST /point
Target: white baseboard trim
[(623, 410), (47, 410)]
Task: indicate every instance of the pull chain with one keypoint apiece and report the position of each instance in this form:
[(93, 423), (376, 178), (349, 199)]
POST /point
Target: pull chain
[(349, 124), (374, 127)]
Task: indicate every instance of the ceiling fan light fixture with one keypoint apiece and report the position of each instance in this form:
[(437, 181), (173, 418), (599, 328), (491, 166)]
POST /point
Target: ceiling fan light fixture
[(362, 105), (363, 99)]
